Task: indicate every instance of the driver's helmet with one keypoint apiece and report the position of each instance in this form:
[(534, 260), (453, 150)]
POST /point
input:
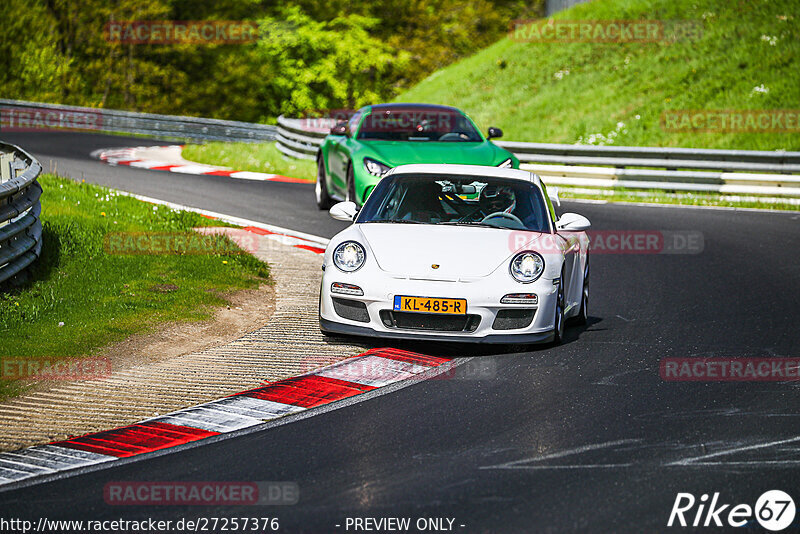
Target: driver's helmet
[(498, 198)]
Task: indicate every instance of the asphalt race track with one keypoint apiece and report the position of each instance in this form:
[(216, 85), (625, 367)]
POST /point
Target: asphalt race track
[(279, 203), (584, 436)]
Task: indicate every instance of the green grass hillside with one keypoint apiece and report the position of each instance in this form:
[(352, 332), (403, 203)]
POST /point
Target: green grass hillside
[(748, 57)]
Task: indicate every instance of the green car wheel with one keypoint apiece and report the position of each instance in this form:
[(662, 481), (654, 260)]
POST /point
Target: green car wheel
[(324, 200)]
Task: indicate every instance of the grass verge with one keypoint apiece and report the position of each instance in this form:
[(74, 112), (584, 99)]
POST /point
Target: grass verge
[(256, 157), (80, 298)]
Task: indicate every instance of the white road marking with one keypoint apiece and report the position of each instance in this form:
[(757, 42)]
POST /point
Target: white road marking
[(250, 175), (699, 459), (517, 464)]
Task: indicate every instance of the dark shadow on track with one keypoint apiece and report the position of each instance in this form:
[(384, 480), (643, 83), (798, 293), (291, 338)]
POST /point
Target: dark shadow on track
[(462, 349)]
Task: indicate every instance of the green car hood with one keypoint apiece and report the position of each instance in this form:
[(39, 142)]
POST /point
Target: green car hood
[(394, 153)]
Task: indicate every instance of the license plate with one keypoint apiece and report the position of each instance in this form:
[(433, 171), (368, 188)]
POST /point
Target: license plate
[(430, 305)]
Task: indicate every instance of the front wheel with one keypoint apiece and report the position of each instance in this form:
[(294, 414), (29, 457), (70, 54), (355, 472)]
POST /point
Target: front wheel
[(558, 329), (321, 188), (583, 316), (583, 313)]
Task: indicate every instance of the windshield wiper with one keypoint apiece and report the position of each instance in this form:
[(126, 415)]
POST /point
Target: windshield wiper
[(395, 221), (462, 223)]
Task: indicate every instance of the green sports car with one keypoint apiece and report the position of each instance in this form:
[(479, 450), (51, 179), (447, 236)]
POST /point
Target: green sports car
[(359, 152)]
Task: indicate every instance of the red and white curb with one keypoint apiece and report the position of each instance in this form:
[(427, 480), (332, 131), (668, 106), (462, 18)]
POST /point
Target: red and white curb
[(286, 236), (366, 372), (168, 158)]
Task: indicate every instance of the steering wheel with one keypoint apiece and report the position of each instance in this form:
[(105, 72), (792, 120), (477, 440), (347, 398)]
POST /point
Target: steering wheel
[(473, 216), (503, 215), (454, 136)]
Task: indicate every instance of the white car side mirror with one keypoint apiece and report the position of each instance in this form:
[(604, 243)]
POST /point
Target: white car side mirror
[(344, 211), (572, 222)]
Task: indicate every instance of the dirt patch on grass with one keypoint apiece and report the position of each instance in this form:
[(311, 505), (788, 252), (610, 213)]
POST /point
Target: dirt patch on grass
[(247, 310)]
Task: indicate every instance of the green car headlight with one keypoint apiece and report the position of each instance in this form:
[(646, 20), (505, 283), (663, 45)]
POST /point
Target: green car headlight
[(507, 164), (376, 168)]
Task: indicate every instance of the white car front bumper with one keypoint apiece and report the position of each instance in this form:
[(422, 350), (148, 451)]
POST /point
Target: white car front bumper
[(487, 320)]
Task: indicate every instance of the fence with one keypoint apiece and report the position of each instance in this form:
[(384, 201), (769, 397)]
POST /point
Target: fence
[(18, 115), (728, 172), (20, 226)]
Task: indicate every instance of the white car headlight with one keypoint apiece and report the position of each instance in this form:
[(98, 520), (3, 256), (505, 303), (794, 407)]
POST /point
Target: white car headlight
[(375, 168), (349, 256), (527, 267), (507, 164)]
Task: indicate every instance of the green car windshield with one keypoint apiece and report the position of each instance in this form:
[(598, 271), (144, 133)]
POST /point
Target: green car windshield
[(418, 124), (457, 200)]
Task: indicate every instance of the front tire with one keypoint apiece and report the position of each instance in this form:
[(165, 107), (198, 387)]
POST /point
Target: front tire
[(583, 315), (321, 188), (559, 322)]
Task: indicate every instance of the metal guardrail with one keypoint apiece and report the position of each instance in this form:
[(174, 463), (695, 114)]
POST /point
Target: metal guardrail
[(741, 172), (670, 158), (301, 138), (20, 226), (18, 115)]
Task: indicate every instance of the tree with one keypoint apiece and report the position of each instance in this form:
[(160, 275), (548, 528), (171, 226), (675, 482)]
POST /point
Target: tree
[(326, 65)]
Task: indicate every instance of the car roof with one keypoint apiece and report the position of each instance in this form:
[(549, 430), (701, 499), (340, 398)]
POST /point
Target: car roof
[(465, 170), (399, 105)]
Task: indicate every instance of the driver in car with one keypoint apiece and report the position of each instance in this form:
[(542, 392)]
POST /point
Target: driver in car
[(423, 204), (497, 199)]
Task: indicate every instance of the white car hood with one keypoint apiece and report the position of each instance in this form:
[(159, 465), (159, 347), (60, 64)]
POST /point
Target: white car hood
[(462, 253)]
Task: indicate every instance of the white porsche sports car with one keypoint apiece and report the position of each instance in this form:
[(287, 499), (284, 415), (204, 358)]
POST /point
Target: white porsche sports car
[(456, 253)]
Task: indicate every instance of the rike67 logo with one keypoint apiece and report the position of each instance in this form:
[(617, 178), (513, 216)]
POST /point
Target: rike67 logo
[(774, 510)]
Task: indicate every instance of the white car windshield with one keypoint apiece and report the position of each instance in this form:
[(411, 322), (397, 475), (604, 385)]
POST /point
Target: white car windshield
[(457, 200)]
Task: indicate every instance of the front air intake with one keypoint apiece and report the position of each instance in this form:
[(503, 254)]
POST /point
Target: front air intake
[(513, 319), (351, 309)]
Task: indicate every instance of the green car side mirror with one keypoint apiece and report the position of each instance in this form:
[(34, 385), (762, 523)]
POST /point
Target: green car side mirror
[(339, 129), (495, 132)]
